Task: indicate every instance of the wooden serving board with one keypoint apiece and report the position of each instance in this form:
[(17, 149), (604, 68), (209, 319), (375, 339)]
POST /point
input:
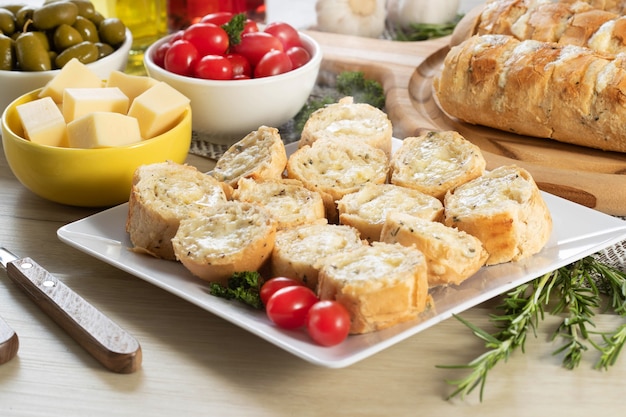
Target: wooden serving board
[(590, 177)]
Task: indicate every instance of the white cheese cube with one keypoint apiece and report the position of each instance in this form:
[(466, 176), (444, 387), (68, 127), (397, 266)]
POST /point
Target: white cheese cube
[(78, 102), (74, 74), (131, 85), (103, 130), (43, 122), (158, 109)]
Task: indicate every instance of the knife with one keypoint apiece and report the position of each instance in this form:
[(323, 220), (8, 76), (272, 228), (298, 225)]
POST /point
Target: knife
[(9, 342), (106, 341)]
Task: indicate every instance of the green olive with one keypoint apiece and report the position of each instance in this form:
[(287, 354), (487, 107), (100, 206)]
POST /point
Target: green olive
[(87, 29), (13, 8), (54, 14), (65, 36), (7, 53), (112, 31), (104, 49), (31, 54), (43, 38), (97, 18), (23, 16), (7, 22), (86, 8), (85, 52)]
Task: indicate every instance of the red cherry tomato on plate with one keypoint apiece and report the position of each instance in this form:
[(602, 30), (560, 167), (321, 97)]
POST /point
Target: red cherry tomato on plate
[(273, 63), (288, 307), (255, 45), (272, 285), (180, 58), (286, 33), (328, 323), (214, 67), (241, 66), (298, 56), (209, 39)]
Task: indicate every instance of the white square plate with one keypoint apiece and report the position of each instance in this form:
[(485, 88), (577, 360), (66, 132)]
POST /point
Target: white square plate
[(578, 231)]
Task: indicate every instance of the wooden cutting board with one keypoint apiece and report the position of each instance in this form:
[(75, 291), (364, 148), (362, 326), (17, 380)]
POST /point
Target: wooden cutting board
[(590, 177)]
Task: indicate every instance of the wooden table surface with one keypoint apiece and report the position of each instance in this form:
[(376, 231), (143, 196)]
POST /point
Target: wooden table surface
[(195, 363)]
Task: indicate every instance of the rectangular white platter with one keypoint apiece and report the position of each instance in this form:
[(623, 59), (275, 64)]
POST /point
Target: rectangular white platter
[(578, 231)]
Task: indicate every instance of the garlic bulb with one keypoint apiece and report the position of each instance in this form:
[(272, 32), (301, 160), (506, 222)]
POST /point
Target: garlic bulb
[(405, 12), (352, 17)]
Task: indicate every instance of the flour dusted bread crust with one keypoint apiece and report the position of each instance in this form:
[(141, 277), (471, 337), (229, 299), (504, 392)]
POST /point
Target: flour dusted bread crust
[(259, 155), (566, 93), (162, 194), (299, 252), (505, 210), (436, 162), (230, 237), (290, 203), (380, 285), (367, 209), (452, 255), (349, 121)]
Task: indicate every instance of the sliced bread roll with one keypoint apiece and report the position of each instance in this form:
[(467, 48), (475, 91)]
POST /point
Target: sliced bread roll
[(452, 255), (367, 208), (259, 155), (300, 251), (230, 237), (290, 203), (380, 285), (505, 210), (351, 122), (162, 194), (335, 168), (436, 162)]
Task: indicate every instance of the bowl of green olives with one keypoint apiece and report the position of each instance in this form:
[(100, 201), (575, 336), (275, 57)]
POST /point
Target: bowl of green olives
[(36, 41)]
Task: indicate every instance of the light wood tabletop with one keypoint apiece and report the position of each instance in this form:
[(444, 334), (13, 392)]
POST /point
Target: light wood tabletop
[(197, 364)]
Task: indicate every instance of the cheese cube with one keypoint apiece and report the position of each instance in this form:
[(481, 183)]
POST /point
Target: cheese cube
[(103, 130), (74, 74), (43, 122), (131, 85), (78, 102), (158, 109)]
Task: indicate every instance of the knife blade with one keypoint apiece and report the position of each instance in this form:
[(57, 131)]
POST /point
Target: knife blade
[(9, 342), (105, 340)]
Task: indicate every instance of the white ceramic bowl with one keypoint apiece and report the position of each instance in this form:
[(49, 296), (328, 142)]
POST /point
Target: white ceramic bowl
[(225, 111), (17, 83)]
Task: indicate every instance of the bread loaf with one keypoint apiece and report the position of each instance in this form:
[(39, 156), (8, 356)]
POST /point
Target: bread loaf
[(162, 194), (367, 209), (436, 162), (452, 255), (505, 210), (259, 155), (380, 285), (566, 93), (230, 237)]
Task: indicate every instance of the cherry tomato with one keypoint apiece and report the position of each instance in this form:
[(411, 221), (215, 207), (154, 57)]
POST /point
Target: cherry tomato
[(288, 307), (180, 58), (159, 54), (272, 285), (273, 63), (217, 18), (214, 67), (298, 56), (240, 65), (209, 39), (254, 45), (328, 323), (250, 26), (286, 33)]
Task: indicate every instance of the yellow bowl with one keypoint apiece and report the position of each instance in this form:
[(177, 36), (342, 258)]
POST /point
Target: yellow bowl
[(85, 177)]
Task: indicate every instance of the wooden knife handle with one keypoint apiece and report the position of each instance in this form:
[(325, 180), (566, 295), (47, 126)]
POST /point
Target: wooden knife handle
[(9, 342), (106, 341)]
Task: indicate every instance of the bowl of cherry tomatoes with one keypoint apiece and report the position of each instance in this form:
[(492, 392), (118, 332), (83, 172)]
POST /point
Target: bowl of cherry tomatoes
[(238, 76)]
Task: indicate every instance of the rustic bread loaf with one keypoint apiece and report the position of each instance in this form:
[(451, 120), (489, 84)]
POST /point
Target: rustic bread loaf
[(380, 285), (367, 209), (436, 162), (290, 203), (229, 237), (162, 194), (505, 210), (452, 255), (349, 121), (566, 93), (259, 155), (300, 251)]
